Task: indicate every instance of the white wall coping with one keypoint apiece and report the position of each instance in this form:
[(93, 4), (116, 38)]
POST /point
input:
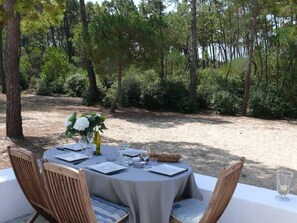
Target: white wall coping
[(12, 200), (252, 204), (249, 204)]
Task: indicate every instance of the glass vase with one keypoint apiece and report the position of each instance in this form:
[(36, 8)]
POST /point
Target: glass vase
[(97, 142)]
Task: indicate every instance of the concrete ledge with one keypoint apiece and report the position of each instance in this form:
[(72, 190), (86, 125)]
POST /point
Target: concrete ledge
[(13, 203), (252, 204), (249, 204)]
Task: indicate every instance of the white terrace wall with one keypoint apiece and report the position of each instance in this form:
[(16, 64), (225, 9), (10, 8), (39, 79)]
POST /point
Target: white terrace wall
[(249, 204), (12, 200), (252, 204)]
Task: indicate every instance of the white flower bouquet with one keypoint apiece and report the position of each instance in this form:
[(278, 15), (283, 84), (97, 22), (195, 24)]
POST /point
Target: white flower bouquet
[(85, 123)]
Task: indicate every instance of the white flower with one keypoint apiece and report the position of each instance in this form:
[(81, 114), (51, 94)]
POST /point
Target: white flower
[(67, 122), (98, 114), (81, 124)]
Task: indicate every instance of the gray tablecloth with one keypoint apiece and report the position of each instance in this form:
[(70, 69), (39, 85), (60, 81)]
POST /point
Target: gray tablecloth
[(148, 195)]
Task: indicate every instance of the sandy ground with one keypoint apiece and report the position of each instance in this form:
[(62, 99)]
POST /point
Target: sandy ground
[(206, 141)]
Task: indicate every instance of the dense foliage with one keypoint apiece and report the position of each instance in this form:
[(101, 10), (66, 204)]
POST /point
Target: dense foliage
[(140, 54)]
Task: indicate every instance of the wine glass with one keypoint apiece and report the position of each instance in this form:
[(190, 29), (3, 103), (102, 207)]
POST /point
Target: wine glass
[(283, 182), (125, 145), (145, 153), (90, 138)]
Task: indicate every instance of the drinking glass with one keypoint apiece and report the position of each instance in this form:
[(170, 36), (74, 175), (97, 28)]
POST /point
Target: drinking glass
[(83, 143), (145, 153), (153, 161), (283, 182), (123, 159), (90, 138)]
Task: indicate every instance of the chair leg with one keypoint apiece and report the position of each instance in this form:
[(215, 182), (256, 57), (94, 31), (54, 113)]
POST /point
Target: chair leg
[(173, 220), (33, 218)]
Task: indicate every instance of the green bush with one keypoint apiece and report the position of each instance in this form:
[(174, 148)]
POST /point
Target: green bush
[(107, 101), (43, 88), (266, 103), (164, 95), (76, 85), (225, 102), (25, 67), (54, 71), (185, 105), (131, 93), (151, 96)]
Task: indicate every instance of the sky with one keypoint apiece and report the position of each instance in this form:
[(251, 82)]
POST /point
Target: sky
[(136, 2)]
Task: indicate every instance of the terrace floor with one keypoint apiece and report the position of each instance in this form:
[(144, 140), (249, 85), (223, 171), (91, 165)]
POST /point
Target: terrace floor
[(25, 218)]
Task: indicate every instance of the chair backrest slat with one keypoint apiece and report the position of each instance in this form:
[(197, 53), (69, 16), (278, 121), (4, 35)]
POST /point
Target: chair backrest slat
[(68, 193), (224, 189), (25, 167)]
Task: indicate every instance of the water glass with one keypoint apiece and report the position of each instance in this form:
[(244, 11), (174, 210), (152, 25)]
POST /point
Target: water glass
[(123, 159), (283, 182), (153, 161), (89, 150), (113, 155)]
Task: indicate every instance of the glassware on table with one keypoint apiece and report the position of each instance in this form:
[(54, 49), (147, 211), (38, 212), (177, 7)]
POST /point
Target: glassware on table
[(153, 161), (123, 159), (283, 182), (90, 138), (83, 143), (145, 154)]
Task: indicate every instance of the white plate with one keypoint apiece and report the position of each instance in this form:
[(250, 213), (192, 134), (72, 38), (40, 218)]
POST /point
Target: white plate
[(71, 156), (74, 147), (168, 170), (107, 167), (132, 152)]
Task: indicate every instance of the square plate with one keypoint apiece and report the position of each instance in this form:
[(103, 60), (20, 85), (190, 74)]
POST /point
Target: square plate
[(71, 156), (132, 152), (74, 147), (168, 170), (107, 167)]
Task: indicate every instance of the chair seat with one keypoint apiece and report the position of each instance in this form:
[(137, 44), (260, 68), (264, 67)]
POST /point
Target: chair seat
[(188, 210), (108, 212)]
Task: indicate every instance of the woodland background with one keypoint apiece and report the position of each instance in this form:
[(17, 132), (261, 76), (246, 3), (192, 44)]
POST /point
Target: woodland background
[(230, 56)]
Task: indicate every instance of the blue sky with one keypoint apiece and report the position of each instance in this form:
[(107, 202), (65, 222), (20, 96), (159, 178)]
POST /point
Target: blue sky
[(136, 2)]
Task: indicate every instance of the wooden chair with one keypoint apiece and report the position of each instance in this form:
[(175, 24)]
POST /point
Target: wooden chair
[(194, 211), (71, 201), (25, 167)]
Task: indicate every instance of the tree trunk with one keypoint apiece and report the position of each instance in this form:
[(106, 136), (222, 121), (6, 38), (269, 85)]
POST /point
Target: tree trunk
[(193, 54), (12, 57), (68, 42), (88, 63), (2, 73), (53, 36), (116, 99), (249, 70)]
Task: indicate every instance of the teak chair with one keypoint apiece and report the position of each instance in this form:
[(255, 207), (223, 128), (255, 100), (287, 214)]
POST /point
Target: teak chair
[(71, 201), (194, 211), (25, 167)]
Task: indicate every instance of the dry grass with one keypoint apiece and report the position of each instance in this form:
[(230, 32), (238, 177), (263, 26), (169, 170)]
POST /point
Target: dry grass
[(206, 141)]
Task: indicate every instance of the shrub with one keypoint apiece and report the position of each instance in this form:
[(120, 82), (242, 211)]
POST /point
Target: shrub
[(24, 70), (42, 87), (164, 95), (107, 100), (131, 92), (224, 102), (54, 71), (76, 85), (266, 103)]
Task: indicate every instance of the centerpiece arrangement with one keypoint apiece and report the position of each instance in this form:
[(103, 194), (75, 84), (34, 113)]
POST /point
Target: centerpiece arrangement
[(90, 122)]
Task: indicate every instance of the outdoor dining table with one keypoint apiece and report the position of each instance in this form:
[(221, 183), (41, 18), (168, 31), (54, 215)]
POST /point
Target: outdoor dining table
[(149, 195)]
